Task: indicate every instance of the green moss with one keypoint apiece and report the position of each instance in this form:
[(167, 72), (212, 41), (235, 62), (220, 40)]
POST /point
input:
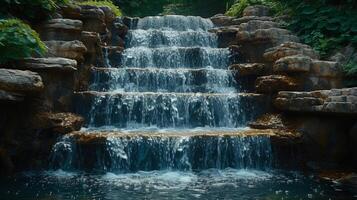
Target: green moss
[(108, 3), (18, 40)]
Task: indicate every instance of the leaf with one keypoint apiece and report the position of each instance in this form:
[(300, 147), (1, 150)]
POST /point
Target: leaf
[(308, 10)]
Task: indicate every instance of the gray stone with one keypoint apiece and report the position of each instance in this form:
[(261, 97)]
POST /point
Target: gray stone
[(49, 64), (66, 49), (19, 81), (257, 10)]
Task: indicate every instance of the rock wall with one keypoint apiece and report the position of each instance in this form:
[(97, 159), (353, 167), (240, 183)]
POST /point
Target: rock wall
[(36, 94), (307, 93)]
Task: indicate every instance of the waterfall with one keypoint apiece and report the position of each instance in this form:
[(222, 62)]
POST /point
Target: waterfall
[(172, 78)]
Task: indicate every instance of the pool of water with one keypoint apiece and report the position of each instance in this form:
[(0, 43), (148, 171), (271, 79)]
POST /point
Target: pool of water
[(208, 184)]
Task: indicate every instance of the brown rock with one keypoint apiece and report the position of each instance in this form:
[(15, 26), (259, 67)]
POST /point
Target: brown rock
[(19, 81), (254, 25), (222, 20), (93, 19), (275, 83), (61, 123), (320, 101), (275, 35), (94, 54), (293, 64), (66, 49), (289, 49), (250, 69), (61, 29), (49, 64), (246, 19), (268, 121)]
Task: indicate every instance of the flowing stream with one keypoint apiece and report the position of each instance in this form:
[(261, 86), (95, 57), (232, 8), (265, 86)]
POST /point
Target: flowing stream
[(167, 122)]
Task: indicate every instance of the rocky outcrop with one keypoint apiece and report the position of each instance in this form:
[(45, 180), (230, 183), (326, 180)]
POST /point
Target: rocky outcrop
[(250, 69), (61, 29), (275, 83), (67, 49), (289, 49), (60, 123), (336, 101), (20, 81), (49, 64)]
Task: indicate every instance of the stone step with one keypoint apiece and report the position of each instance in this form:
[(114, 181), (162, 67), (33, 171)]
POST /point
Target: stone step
[(335, 101), (61, 29), (67, 49), (160, 150), (162, 79), (125, 109), (18, 81)]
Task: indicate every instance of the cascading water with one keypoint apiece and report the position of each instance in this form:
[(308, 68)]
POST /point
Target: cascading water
[(172, 79)]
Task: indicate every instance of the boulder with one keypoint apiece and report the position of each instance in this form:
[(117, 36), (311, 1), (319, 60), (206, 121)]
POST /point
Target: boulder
[(289, 49), (336, 101), (301, 63), (222, 20), (256, 10), (61, 29), (254, 25), (19, 81), (71, 11), (250, 69), (49, 64), (66, 49), (293, 64), (275, 83), (275, 35), (60, 123), (93, 19)]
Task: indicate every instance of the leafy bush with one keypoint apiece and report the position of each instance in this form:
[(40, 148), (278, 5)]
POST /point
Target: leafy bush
[(350, 68), (237, 9), (108, 3), (18, 40), (31, 10), (324, 26)]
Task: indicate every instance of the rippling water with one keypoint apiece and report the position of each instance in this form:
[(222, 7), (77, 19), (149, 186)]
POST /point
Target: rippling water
[(207, 184)]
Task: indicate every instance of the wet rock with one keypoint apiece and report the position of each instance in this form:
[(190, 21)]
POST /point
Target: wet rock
[(250, 69), (71, 11), (94, 54), (49, 64), (66, 49), (10, 96), (60, 123), (20, 81), (326, 69), (256, 10), (226, 35), (109, 15), (268, 121), (337, 101), (349, 181), (61, 29), (275, 83), (289, 49)]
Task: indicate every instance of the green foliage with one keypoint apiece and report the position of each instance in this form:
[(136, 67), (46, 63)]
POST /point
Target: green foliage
[(324, 26), (18, 40), (237, 9), (108, 3), (205, 8), (350, 68), (31, 10)]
